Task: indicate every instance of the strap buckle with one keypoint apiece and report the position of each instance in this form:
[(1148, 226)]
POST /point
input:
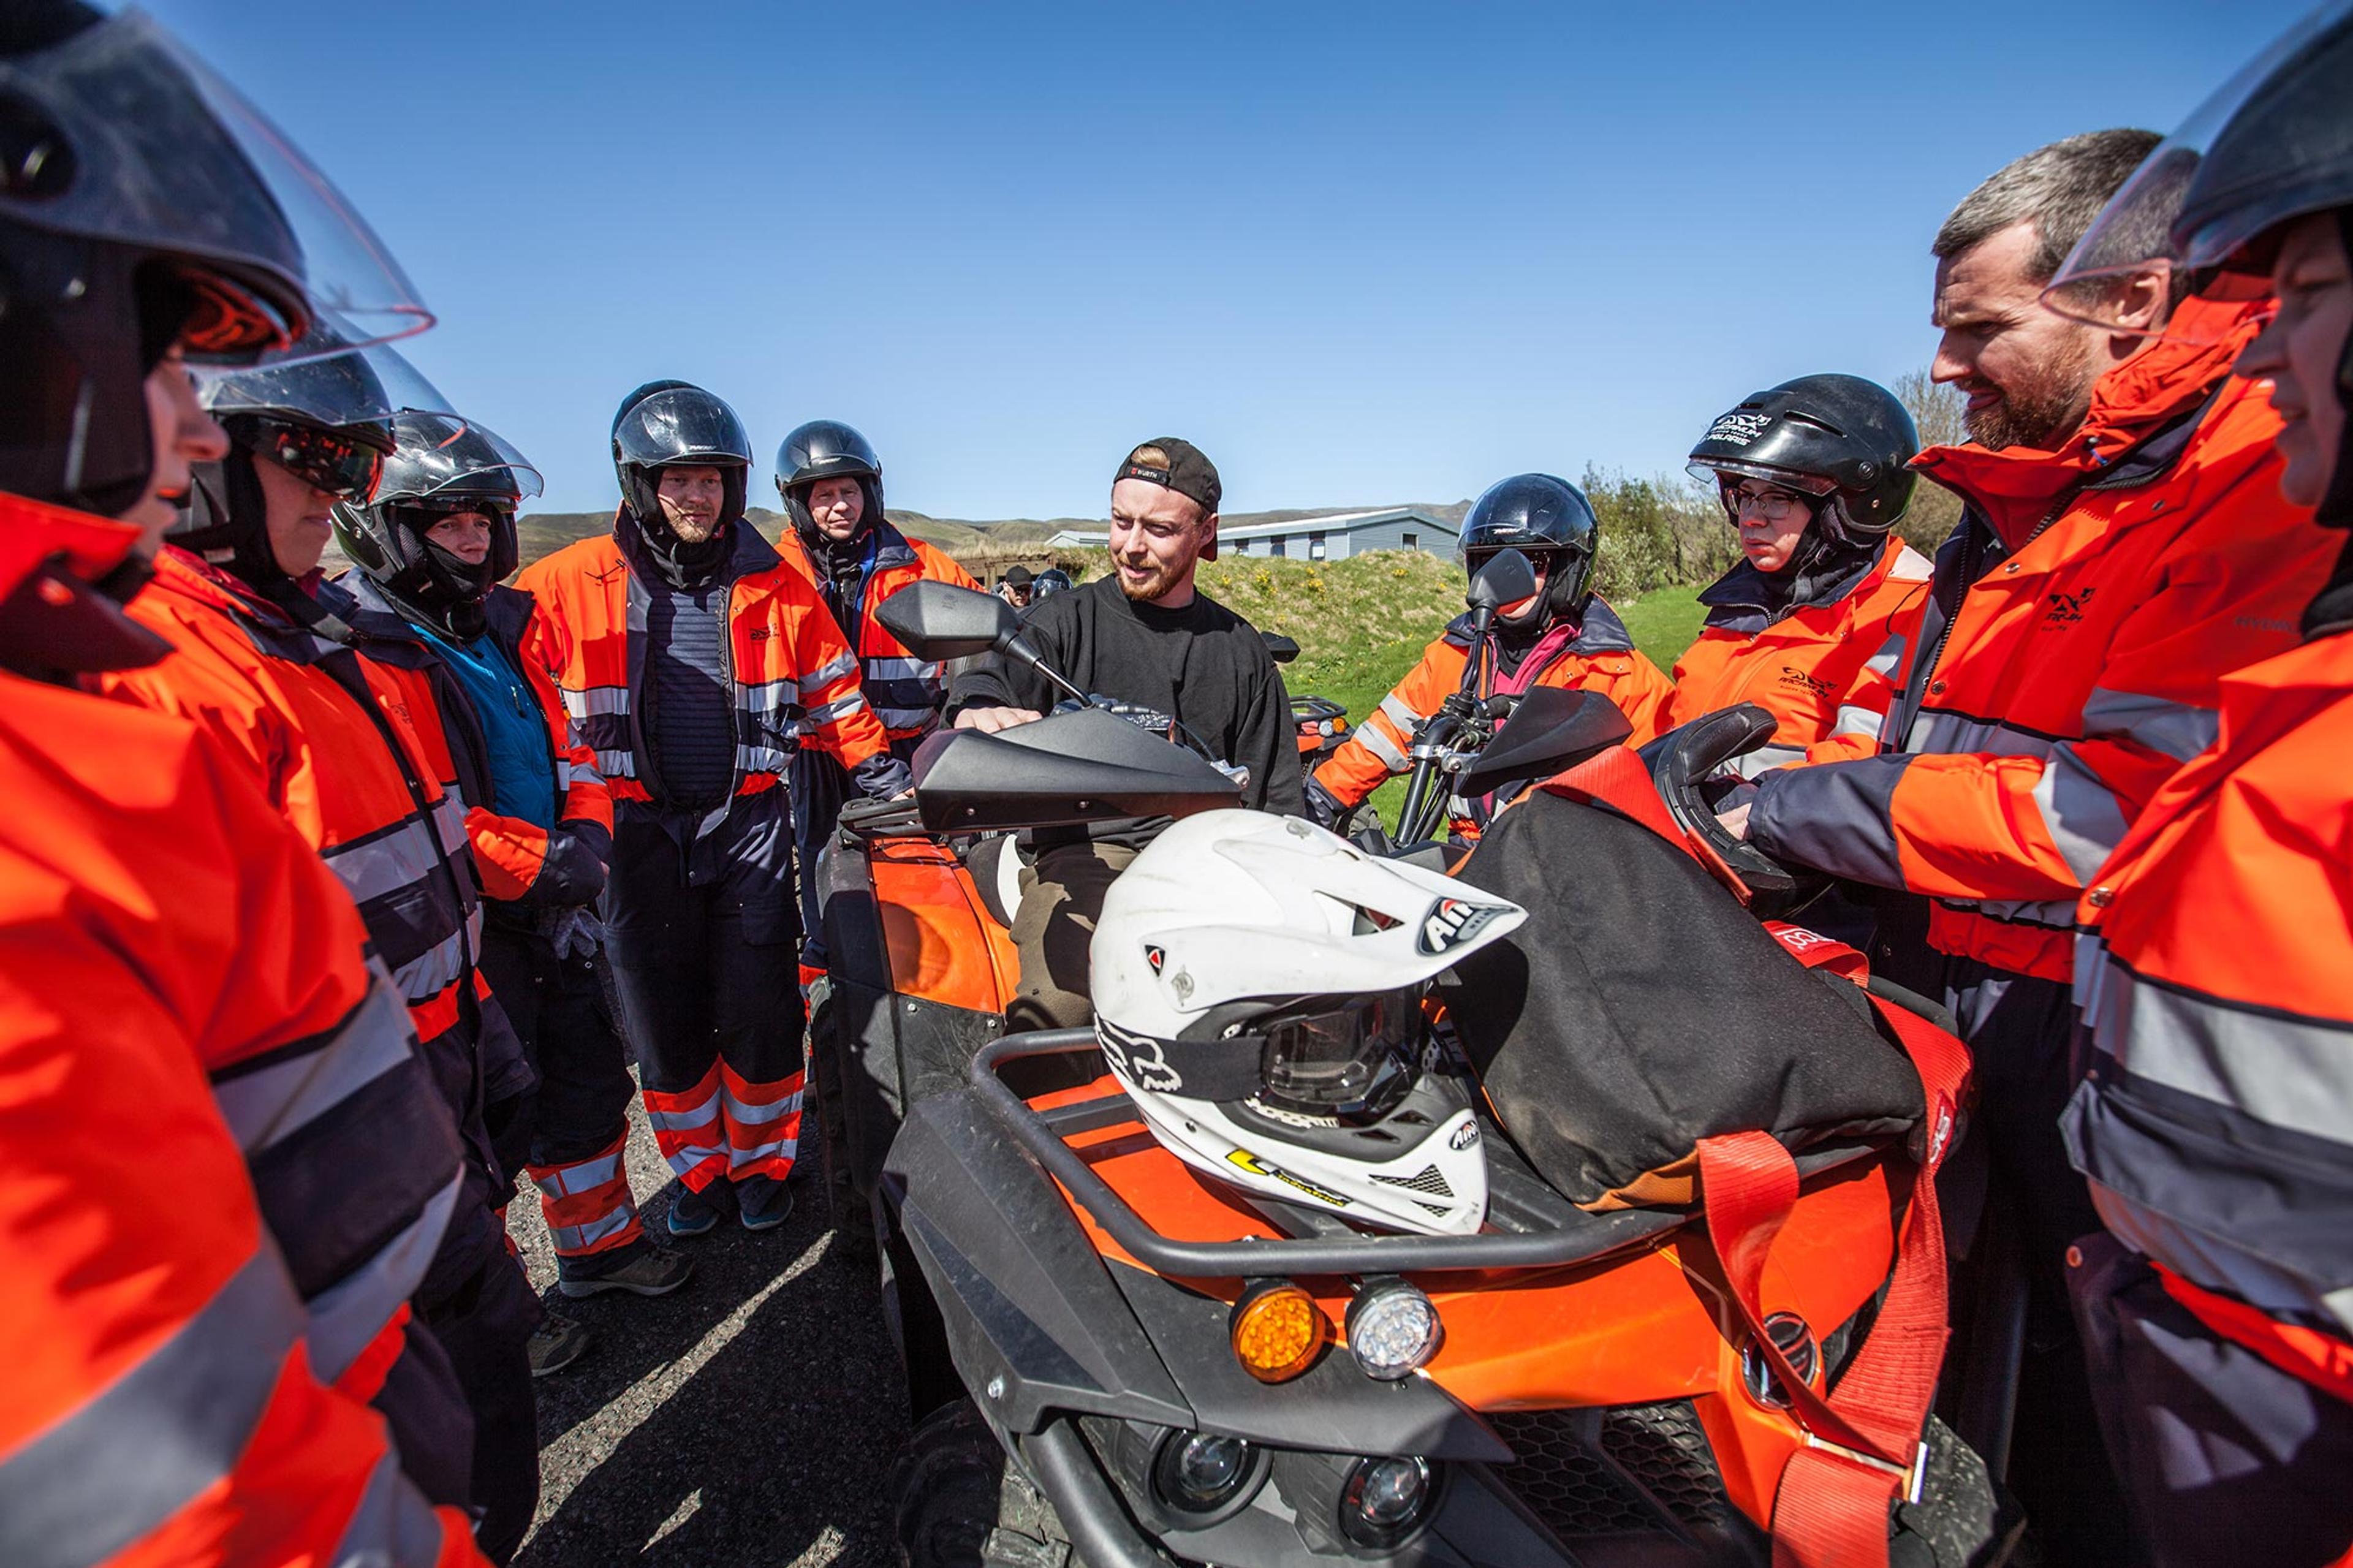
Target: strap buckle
[(1913, 1476)]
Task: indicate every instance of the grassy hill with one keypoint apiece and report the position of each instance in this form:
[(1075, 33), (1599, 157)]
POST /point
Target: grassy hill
[(976, 544)]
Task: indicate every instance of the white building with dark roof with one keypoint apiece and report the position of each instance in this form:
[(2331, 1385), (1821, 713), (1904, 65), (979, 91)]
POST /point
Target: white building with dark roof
[(1332, 536)]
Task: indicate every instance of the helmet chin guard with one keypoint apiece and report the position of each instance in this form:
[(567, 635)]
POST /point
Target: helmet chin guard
[(1257, 986)]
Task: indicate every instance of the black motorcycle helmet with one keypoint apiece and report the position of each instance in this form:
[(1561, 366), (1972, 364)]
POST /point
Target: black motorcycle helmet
[(667, 424), (1053, 580), (1546, 519), (826, 450), (120, 232), (1843, 440), (440, 466), (329, 421)]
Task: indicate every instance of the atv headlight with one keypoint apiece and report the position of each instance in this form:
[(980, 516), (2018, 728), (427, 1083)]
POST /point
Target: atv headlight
[(1393, 1330), (1386, 1499), (1202, 1472)]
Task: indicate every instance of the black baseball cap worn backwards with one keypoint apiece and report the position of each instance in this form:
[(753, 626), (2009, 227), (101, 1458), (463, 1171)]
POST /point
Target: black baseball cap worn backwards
[(1178, 464)]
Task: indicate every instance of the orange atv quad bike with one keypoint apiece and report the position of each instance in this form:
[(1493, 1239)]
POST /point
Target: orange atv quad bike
[(1116, 1361)]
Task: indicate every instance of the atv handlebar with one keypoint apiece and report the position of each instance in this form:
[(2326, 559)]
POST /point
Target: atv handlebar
[(1584, 1238)]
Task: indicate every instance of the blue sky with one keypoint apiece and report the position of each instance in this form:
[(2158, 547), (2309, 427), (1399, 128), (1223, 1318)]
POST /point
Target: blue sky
[(1360, 253)]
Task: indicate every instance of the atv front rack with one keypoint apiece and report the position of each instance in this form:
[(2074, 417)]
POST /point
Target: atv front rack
[(1580, 1237)]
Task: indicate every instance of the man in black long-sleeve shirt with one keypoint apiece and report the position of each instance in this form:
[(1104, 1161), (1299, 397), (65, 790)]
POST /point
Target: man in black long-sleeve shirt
[(1143, 633)]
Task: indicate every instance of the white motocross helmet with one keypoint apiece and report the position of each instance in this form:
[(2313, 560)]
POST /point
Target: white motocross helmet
[(1257, 988)]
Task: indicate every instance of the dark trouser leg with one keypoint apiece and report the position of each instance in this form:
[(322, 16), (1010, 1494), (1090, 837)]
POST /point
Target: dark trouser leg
[(486, 1328), (430, 1417), (819, 785), (658, 937), (756, 1000), (580, 1116), (2227, 1458), (1062, 894), (2019, 1029)]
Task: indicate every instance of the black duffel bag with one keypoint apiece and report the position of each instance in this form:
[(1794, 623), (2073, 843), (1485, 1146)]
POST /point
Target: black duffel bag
[(1642, 1008)]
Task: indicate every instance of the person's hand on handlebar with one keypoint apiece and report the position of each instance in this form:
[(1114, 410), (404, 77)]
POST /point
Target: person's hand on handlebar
[(1735, 821), (990, 721)]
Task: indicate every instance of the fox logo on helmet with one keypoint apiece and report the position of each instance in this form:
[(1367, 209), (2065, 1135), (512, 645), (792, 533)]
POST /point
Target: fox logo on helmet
[(1137, 1058), (1154, 956), (1453, 921)]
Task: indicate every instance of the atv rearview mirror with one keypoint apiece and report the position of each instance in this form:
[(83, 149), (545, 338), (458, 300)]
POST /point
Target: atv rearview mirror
[(942, 621), (1279, 648), (1506, 578)]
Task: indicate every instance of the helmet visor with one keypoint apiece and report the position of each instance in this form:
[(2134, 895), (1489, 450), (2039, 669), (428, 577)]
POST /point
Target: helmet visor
[(682, 425), (353, 386), (145, 146), (1349, 1060), (1724, 474), (335, 462), (448, 463), (2144, 231)]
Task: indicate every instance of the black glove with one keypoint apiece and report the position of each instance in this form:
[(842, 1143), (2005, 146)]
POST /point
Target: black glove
[(1323, 808)]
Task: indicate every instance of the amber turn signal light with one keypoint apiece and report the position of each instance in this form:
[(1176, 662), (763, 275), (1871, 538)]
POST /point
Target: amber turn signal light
[(1277, 1330)]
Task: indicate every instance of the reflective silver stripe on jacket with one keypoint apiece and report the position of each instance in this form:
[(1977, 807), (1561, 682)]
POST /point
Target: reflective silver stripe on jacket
[(2079, 812), (833, 713), (1953, 734), (393, 1526), (904, 669), (904, 718), (1764, 759), (617, 764), (1401, 715), (1381, 746), (163, 1432), (346, 1317), (267, 1104), (1855, 720), (2176, 729), (762, 760), (595, 699), (816, 681), (766, 698), (1888, 660), (434, 970), (371, 868)]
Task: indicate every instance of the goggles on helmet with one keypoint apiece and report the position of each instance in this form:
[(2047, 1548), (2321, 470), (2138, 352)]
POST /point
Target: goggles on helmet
[(1352, 1060), (341, 465)]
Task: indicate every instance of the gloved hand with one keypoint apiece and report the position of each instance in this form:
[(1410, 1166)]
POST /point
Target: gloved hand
[(1324, 809), (1462, 707), (575, 931)]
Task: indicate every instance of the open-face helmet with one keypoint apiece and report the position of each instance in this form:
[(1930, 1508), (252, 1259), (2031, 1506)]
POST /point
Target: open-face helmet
[(675, 424), (442, 464), (1257, 987), (1548, 520), (1844, 442), (826, 450)]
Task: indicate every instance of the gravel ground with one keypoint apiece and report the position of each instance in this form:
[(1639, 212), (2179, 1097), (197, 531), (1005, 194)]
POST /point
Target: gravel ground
[(747, 1420)]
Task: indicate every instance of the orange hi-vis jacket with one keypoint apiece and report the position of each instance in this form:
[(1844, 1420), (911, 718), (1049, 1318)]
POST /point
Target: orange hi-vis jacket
[(1825, 668), (794, 680), (2214, 972), (904, 691), (351, 753), (2079, 621), (168, 1397), (1597, 656)]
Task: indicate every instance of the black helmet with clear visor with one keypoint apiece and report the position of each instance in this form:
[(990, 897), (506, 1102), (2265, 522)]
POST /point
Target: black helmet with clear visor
[(328, 420), (674, 424), (145, 202), (2274, 144), (442, 466)]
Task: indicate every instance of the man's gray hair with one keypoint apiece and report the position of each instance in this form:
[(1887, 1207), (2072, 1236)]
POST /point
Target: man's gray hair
[(2059, 189)]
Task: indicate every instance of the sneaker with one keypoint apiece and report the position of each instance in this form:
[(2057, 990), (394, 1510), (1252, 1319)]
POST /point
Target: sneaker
[(763, 1203), (692, 1213), (648, 1271), (556, 1344)]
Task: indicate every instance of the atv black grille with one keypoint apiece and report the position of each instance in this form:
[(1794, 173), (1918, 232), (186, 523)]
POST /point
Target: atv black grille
[(1429, 1181), (1640, 1467)]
